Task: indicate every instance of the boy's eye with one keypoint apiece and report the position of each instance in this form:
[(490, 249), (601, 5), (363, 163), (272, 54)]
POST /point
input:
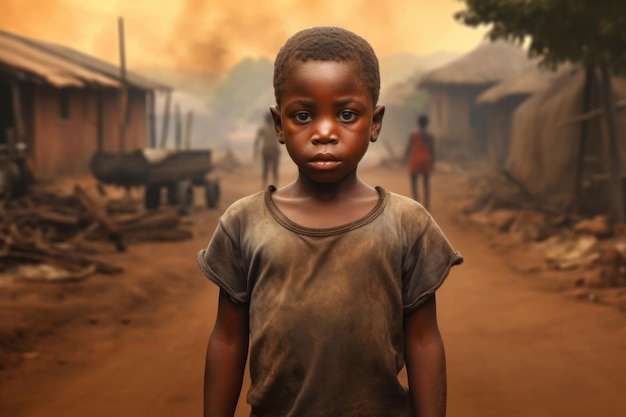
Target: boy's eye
[(302, 117), (347, 115)]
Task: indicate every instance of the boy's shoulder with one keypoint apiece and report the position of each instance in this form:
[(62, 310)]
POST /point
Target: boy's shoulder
[(245, 206), (407, 209)]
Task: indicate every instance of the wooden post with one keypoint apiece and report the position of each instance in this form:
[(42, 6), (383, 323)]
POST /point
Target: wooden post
[(590, 77), (151, 119), (166, 119), (178, 126), (100, 121), (123, 87), (188, 127), (18, 115), (613, 150), (17, 148)]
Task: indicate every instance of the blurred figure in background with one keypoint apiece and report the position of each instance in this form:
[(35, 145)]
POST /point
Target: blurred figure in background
[(267, 141), (420, 154)]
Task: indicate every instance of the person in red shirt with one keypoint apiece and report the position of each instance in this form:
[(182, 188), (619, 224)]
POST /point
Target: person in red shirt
[(420, 155)]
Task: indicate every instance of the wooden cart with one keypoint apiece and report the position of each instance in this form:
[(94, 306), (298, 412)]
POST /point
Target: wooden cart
[(176, 172)]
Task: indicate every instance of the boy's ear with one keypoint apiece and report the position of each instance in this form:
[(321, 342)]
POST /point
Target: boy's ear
[(377, 122), (278, 124)]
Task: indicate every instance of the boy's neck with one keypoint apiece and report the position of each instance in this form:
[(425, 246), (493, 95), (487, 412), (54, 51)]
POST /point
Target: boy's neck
[(349, 187), (320, 205)]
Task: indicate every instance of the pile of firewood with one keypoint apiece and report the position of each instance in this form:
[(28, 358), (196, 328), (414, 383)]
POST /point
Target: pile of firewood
[(68, 231)]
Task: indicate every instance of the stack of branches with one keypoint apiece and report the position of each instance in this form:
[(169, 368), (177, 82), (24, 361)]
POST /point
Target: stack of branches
[(68, 231)]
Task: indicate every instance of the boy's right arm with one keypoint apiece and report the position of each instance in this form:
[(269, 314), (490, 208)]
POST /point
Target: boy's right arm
[(226, 358)]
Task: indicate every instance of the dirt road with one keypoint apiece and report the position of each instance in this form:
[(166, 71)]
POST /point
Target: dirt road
[(133, 345)]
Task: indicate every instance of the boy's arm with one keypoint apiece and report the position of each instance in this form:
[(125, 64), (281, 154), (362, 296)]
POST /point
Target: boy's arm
[(425, 361), (226, 358)]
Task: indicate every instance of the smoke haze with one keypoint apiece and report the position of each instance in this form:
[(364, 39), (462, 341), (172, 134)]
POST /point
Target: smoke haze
[(213, 35)]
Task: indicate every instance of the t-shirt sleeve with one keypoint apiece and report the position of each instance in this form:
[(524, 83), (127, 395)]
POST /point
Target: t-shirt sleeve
[(221, 263), (427, 265)]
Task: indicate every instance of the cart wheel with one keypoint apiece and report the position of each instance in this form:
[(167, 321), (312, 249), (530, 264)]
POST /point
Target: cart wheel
[(212, 193), (180, 194), (152, 197)]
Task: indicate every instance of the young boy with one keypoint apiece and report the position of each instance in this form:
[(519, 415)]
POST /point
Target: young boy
[(328, 281), (420, 154)]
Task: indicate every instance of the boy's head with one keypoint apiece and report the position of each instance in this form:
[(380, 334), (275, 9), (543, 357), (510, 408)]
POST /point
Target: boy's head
[(327, 43), (422, 120)]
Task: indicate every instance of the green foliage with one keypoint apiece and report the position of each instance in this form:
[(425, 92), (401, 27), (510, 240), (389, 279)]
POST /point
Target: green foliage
[(586, 31)]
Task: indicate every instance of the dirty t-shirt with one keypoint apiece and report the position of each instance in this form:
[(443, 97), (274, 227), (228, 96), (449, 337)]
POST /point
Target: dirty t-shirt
[(326, 305)]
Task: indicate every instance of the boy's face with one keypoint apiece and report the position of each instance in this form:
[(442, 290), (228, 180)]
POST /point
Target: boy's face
[(326, 119)]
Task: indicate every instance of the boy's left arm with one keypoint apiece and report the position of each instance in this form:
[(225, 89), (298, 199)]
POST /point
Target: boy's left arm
[(425, 361)]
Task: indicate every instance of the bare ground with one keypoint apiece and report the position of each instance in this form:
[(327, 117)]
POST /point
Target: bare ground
[(518, 343)]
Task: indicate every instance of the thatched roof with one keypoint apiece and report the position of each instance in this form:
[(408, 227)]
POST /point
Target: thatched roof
[(63, 67), (532, 80), (487, 64), (396, 93)]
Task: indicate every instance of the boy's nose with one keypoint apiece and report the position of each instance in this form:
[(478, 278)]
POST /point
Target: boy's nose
[(325, 132)]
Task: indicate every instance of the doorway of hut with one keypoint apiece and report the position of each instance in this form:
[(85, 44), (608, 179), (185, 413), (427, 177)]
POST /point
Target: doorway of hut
[(478, 121), (7, 124)]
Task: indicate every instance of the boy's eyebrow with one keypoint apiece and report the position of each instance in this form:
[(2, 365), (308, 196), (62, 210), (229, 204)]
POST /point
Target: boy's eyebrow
[(348, 100), (310, 103), (301, 102)]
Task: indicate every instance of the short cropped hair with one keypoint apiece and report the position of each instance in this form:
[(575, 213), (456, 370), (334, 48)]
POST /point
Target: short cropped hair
[(422, 120), (327, 43)]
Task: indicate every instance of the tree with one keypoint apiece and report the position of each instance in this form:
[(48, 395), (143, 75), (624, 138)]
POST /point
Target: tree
[(236, 93), (589, 32)]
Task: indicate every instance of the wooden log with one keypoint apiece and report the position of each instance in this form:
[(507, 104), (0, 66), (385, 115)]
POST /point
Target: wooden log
[(98, 213), (123, 206), (46, 215)]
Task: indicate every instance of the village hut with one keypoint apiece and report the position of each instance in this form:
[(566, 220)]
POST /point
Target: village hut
[(456, 120), (559, 158), (501, 101), (65, 105)]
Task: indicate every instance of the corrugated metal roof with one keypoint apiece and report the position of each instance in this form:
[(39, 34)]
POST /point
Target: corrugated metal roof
[(54, 70), (487, 64), (65, 67)]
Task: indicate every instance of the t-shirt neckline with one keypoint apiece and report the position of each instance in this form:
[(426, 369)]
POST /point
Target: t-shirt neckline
[(289, 224)]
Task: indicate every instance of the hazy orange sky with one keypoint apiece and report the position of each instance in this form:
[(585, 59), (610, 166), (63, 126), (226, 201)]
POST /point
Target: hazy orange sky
[(213, 34)]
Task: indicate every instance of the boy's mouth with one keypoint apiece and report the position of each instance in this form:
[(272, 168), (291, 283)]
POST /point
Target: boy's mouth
[(324, 161)]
